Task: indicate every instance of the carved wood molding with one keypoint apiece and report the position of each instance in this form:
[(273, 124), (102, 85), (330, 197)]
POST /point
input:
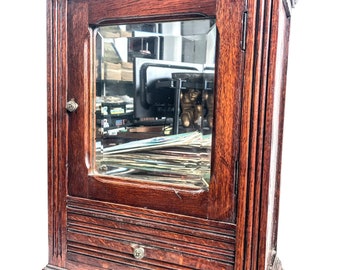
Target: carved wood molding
[(294, 2), (289, 4), (276, 265), (102, 233), (56, 85), (50, 267)]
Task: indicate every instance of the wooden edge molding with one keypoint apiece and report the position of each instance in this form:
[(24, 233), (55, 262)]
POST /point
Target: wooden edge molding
[(277, 265), (289, 4), (50, 267), (293, 2)]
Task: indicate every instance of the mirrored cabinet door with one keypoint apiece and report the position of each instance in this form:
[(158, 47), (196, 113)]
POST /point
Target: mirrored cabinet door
[(152, 105)]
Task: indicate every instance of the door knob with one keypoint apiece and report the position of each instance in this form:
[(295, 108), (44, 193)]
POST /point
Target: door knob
[(71, 105)]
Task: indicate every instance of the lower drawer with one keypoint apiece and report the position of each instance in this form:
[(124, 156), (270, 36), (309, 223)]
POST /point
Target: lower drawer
[(108, 236)]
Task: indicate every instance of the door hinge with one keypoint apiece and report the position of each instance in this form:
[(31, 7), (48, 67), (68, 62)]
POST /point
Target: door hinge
[(244, 30), (236, 176)]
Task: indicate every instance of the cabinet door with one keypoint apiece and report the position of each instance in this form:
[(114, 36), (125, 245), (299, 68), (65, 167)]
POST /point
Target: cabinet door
[(157, 84)]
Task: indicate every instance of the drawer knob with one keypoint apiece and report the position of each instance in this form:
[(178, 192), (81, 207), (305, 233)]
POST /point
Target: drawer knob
[(138, 253)]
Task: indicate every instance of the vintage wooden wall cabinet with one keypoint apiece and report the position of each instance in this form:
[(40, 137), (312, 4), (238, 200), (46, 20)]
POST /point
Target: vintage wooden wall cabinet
[(165, 123)]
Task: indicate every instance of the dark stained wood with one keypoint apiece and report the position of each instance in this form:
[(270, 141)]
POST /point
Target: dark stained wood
[(260, 156), (136, 10), (78, 88), (227, 110), (185, 242), (178, 200), (269, 204), (57, 141), (165, 198), (95, 222)]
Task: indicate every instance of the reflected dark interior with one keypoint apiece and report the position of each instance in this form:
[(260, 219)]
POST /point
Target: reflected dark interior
[(158, 88)]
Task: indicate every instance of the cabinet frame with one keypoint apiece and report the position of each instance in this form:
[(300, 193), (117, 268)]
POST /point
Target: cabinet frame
[(263, 33)]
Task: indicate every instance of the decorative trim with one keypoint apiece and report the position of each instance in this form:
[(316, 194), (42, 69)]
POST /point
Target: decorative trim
[(288, 4), (294, 2), (276, 265), (57, 143)]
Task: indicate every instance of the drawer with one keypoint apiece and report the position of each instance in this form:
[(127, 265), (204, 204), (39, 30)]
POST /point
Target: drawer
[(109, 236)]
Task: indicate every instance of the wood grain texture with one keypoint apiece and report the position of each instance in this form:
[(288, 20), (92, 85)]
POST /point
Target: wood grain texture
[(57, 119), (170, 241), (177, 200), (274, 136), (51, 267), (95, 222), (262, 128), (141, 10), (229, 69)]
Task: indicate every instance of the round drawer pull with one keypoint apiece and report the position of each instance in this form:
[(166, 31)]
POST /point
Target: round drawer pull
[(138, 253)]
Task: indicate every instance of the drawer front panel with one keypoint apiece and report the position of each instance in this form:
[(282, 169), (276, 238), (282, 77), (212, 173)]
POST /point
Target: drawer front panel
[(106, 236)]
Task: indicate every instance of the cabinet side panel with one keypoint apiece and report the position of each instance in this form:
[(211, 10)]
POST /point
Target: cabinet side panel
[(261, 134), (273, 139)]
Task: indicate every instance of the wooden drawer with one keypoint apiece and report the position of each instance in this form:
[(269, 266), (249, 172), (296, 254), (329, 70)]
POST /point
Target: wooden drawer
[(105, 236)]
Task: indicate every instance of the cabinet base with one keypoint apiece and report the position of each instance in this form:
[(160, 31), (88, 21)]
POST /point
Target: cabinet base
[(51, 267), (276, 265)]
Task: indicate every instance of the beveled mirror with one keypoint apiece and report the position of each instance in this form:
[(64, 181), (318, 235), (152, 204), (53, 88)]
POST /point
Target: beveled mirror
[(154, 85)]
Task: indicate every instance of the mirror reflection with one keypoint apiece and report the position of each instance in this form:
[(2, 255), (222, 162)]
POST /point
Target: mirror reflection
[(154, 101)]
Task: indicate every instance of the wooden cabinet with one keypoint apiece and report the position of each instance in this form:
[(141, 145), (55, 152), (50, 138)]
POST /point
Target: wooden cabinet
[(165, 123)]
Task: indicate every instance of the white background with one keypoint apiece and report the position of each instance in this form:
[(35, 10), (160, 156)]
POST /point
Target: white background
[(309, 212)]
